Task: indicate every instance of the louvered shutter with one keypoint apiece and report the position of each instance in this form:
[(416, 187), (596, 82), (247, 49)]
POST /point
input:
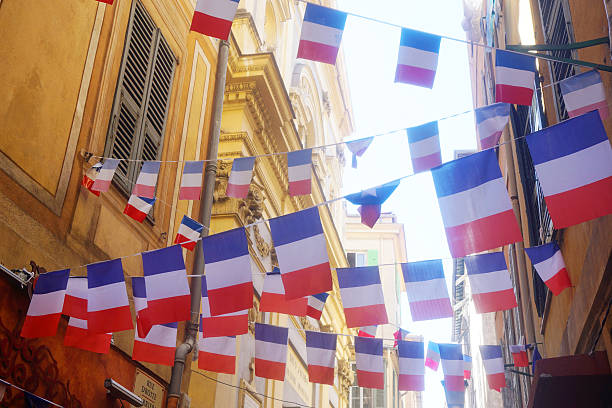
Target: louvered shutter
[(141, 99)]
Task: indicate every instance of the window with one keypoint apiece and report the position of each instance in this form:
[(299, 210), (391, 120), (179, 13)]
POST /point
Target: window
[(139, 112), (356, 259)]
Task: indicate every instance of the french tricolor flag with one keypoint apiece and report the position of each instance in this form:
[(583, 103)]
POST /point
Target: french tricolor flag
[(475, 206), (519, 355), (368, 331), (78, 336), (548, 262), (147, 179), (188, 233), (191, 182), (138, 207), (362, 296), (452, 366), (89, 178), (46, 305), (467, 367), (490, 283), (108, 307), (418, 58), (316, 303), (158, 346), (321, 357), (321, 34), (369, 361), (217, 354), (583, 93), (358, 148), (139, 294), (270, 351), (302, 253), (424, 144), (370, 201), (514, 77), (573, 161), (432, 359), (493, 363), (411, 365), (399, 335), (228, 272), (214, 17), (490, 123), (168, 296), (426, 290), (240, 177), (299, 169), (273, 297), (75, 302), (105, 176), (231, 324)]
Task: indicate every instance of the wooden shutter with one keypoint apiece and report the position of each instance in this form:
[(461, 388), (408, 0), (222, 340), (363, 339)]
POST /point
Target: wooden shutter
[(141, 98)]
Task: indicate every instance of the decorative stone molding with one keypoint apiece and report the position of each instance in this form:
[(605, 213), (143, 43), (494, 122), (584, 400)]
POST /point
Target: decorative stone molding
[(346, 377), (306, 325), (223, 171), (254, 316)]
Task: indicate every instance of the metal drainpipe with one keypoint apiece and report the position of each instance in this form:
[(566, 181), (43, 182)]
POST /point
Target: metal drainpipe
[(519, 248), (208, 186)]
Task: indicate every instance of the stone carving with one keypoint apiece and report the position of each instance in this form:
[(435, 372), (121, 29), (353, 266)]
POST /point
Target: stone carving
[(254, 316), (345, 377), (223, 171), (306, 325)]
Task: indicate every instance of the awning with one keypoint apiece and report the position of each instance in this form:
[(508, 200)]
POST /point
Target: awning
[(572, 381)]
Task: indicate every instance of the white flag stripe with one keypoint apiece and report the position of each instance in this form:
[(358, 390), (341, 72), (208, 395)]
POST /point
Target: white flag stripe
[(493, 365), (188, 232), (166, 285), (584, 97), (77, 287), (549, 267), (417, 58), (241, 177), (487, 127), (316, 303), (160, 336), (301, 172), (426, 290), (321, 357), (490, 282), (46, 303), (360, 296), (569, 172), (107, 297), (148, 179), (230, 272), (452, 367), (411, 366), (514, 77), (321, 34), (369, 362), (139, 303), (481, 201), (191, 180), (225, 346), (106, 174), (271, 351), (425, 147), (80, 323), (292, 255), (223, 9), (274, 284)]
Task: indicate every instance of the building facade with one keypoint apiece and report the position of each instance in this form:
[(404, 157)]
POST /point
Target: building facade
[(84, 80), (569, 326), (384, 245)]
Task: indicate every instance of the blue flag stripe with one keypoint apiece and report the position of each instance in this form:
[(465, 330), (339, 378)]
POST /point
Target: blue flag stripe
[(566, 137), (104, 273), (52, 282), (423, 271), (225, 245), (485, 263), (325, 16), (421, 132), (163, 260), (243, 164), (366, 345), (193, 167), (492, 111), (194, 225), (422, 41), (138, 287), (382, 193), (296, 226), (271, 334), (489, 352), (540, 253), (299, 157), (513, 60), (466, 173), (359, 276), (321, 340), (150, 167), (451, 352), (580, 81), (411, 349)]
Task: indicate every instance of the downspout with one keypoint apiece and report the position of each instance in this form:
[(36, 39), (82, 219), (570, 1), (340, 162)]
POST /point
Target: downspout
[(208, 186), (519, 248)]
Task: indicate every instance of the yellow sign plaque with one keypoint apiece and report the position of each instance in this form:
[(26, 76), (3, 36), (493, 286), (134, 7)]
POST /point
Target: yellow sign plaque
[(150, 390)]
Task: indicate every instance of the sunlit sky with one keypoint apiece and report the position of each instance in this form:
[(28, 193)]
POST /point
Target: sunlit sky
[(379, 105)]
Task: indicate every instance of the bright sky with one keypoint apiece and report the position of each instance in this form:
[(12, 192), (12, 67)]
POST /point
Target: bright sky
[(379, 105)]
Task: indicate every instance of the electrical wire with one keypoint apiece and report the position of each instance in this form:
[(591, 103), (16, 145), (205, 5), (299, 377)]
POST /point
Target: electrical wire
[(21, 389)]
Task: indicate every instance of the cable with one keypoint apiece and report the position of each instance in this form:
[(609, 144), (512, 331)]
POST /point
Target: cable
[(253, 392), (21, 389)]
